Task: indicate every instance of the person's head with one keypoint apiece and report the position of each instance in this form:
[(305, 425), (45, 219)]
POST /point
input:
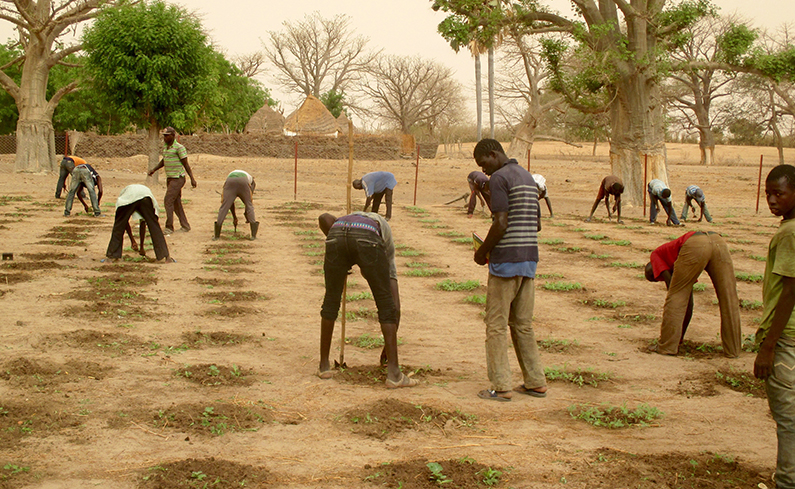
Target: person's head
[(649, 272), (325, 221), (780, 191), (617, 188), (357, 184), (68, 163), (666, 193), (169, 134), (489, 155)]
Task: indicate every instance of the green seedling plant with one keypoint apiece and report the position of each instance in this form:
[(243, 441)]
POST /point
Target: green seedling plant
[(699, 287), (491, 476), (452, 286), (477, 299), (748, 277), (751, 305), (436, 474), (604, 303), (618, 264), (425, 272), (359, 297), (551, 241), (595, 237), (549, 275), (450, 234), (599, 257), (569, 249), (560, 286), (758, 258), (613, 417), (466, 241), (578, 376), (417, 264), (617, 242)]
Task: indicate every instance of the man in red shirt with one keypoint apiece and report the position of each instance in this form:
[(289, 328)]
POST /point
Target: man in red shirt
[(679, 263)]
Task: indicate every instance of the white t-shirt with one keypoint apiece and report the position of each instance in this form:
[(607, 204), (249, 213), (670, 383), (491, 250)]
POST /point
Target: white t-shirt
[(134, 193), (244, 173)]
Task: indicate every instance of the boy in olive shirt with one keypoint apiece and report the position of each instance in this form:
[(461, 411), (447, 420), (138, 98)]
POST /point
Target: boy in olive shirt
[(775, 361)]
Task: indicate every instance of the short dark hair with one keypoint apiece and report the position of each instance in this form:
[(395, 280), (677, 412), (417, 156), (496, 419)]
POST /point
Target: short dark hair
[(665, 193), (486, 146), (618, 187), (782, 171)]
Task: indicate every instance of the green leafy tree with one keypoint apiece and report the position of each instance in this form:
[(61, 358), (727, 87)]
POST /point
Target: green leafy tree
[(8, 108), (155, 64), (334, 101)]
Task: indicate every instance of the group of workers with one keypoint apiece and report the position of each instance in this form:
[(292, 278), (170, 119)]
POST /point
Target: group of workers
[(510, 249)]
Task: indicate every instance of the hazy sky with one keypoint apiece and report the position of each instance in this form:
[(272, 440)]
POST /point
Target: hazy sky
[(403, 27)]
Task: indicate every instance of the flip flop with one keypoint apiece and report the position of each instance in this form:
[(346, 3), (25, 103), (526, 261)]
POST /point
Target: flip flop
[(530, 392), (403, 382), (492, 395), (326, 374)]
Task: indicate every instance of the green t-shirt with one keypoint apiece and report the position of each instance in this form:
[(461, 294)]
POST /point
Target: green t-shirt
[(780, 263), (171, 159)]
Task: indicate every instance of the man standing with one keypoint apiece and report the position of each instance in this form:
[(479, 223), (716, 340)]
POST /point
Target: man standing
[(238, 184), (376, 185), (478, 188), (511, 250), (658, 192), (364, 239), (775, 361), (138, 202), (694, 193), (83, 175), (175, 161), (679, 263), (611, 185)]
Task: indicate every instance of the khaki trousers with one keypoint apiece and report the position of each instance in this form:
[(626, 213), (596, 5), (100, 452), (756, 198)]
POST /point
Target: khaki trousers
[(510, 303), (702, 252)]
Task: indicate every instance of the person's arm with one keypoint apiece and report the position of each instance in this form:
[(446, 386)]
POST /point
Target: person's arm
[(367, 203), (593, 209), (159, 166), (763, 365), (79, 194), (184, 162), (99, 191), (549, 206), (128, 230), (142, 235), (496, 232), (618, 209), (472, 201), (701, 216)]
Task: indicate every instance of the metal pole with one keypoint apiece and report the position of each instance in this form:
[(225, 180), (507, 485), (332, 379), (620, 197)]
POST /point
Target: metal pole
[(416, 174), (645, 181), (295, 174), (349, 207), (759, 183)]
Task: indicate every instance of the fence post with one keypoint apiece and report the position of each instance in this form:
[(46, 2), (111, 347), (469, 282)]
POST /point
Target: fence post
[(66, 143), (759, 183), (295, 174), (416, 174)]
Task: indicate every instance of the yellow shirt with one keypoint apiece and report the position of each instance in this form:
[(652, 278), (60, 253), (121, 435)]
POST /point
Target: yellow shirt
[(780, 264)]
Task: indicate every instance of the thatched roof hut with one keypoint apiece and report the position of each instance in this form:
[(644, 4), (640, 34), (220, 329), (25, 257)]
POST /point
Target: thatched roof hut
[(342, 122), (311, 118), (265, 120)]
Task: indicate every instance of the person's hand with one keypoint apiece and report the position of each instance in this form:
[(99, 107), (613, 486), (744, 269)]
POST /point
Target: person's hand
[(699, 219), (588, 220), (763, 365), (193, 182), (134, 246), (481, 258), (620, 221)]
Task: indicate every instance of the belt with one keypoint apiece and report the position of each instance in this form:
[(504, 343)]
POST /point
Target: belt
[(356, 225), (702, 232)]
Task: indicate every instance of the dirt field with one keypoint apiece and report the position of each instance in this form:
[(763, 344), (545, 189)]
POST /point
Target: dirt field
[(201, 373)]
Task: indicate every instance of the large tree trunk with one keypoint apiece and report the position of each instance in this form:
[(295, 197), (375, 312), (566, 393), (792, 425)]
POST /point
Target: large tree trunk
[(524, 137), (479, 96), (706, 141), (154, 146), (637, 136), (35, 134)]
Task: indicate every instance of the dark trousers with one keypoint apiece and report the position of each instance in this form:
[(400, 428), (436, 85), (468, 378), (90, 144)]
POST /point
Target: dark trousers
[(146, 209), (346, 247), (377, 202), (61, 179), (173, 203), (233, 188), (668, 206)]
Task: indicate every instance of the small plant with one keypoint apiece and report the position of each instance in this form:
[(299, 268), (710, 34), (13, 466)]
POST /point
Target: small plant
[(451, 285), (477, 299), (436, 474), (549, 275), (491, 476), (749, 344), (618, 264), (751, 305), (699, 287), (213, 371), (579, 377), (554, 345), (450, 234), (619, 242), (758, 258), (425, 272), (429, 220), (553, 241), (562, 286), (595, 237), (605, 304), (748, 277), (359, 297), (417, 264), (466, 241), (569, 249), (410, 252), (609, 416), (599, 257)]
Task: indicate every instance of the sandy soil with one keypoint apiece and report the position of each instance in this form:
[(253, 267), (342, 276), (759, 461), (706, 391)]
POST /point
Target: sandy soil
[(201, 373)]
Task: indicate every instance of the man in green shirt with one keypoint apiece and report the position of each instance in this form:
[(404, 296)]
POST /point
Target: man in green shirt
[(775, 361), (175, 161)]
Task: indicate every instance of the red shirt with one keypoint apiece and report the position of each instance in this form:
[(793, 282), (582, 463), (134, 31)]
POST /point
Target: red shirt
[(664, 256)]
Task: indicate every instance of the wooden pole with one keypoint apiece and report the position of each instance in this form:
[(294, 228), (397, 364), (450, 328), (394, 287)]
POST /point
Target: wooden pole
[(66, 143), (645, 181), (348, 208), (759, 183), (416, 174), (528, 160), (295, 174)]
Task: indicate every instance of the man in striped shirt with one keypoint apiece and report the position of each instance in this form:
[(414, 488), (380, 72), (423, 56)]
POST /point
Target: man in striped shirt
[(175, 162), (692, 193), (511, 251)]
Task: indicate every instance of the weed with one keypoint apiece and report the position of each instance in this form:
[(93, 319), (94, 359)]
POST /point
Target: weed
[(748, 277), (741, 381), (429, 221), (213, 371), (569, 249), (466, 241), (415, 210), (368, 342), (579, 230), (562, 286), (410, 252), (557, 346), (615, 416), (451, 285), (554, 241), (477, 299), (360, 314), (750, 344), (436, 474)]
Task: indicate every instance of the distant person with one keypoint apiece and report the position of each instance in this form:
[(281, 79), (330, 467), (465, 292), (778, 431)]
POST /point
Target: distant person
[(511, 251), (238, 184), (694, 193), (175, 161), (611, 185), (67, 163), (478, 189), (83, 176), (377, 185), (364, 239), (542, 191), (660, 193), (137, 201), (679, 263), (775, 362)]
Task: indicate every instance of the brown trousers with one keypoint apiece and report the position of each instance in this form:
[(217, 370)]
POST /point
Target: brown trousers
[(702, 252), (233, 188), (173, 203)]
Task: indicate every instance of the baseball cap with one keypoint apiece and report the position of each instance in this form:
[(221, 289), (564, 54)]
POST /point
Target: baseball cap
[(168, 130)]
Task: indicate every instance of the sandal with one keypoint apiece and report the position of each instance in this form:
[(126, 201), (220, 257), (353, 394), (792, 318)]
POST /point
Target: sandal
[(530, 392), (493, 395), (403, 382), (326, 374)]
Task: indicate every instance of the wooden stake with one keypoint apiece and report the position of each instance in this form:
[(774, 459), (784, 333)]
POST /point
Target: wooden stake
[(759, 183), (416, 174), (348, 210)]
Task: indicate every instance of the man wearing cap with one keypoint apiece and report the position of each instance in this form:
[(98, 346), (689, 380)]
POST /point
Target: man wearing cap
[(83, 175), (175, 162), (376, 185), (238, 184), (695, 193)]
